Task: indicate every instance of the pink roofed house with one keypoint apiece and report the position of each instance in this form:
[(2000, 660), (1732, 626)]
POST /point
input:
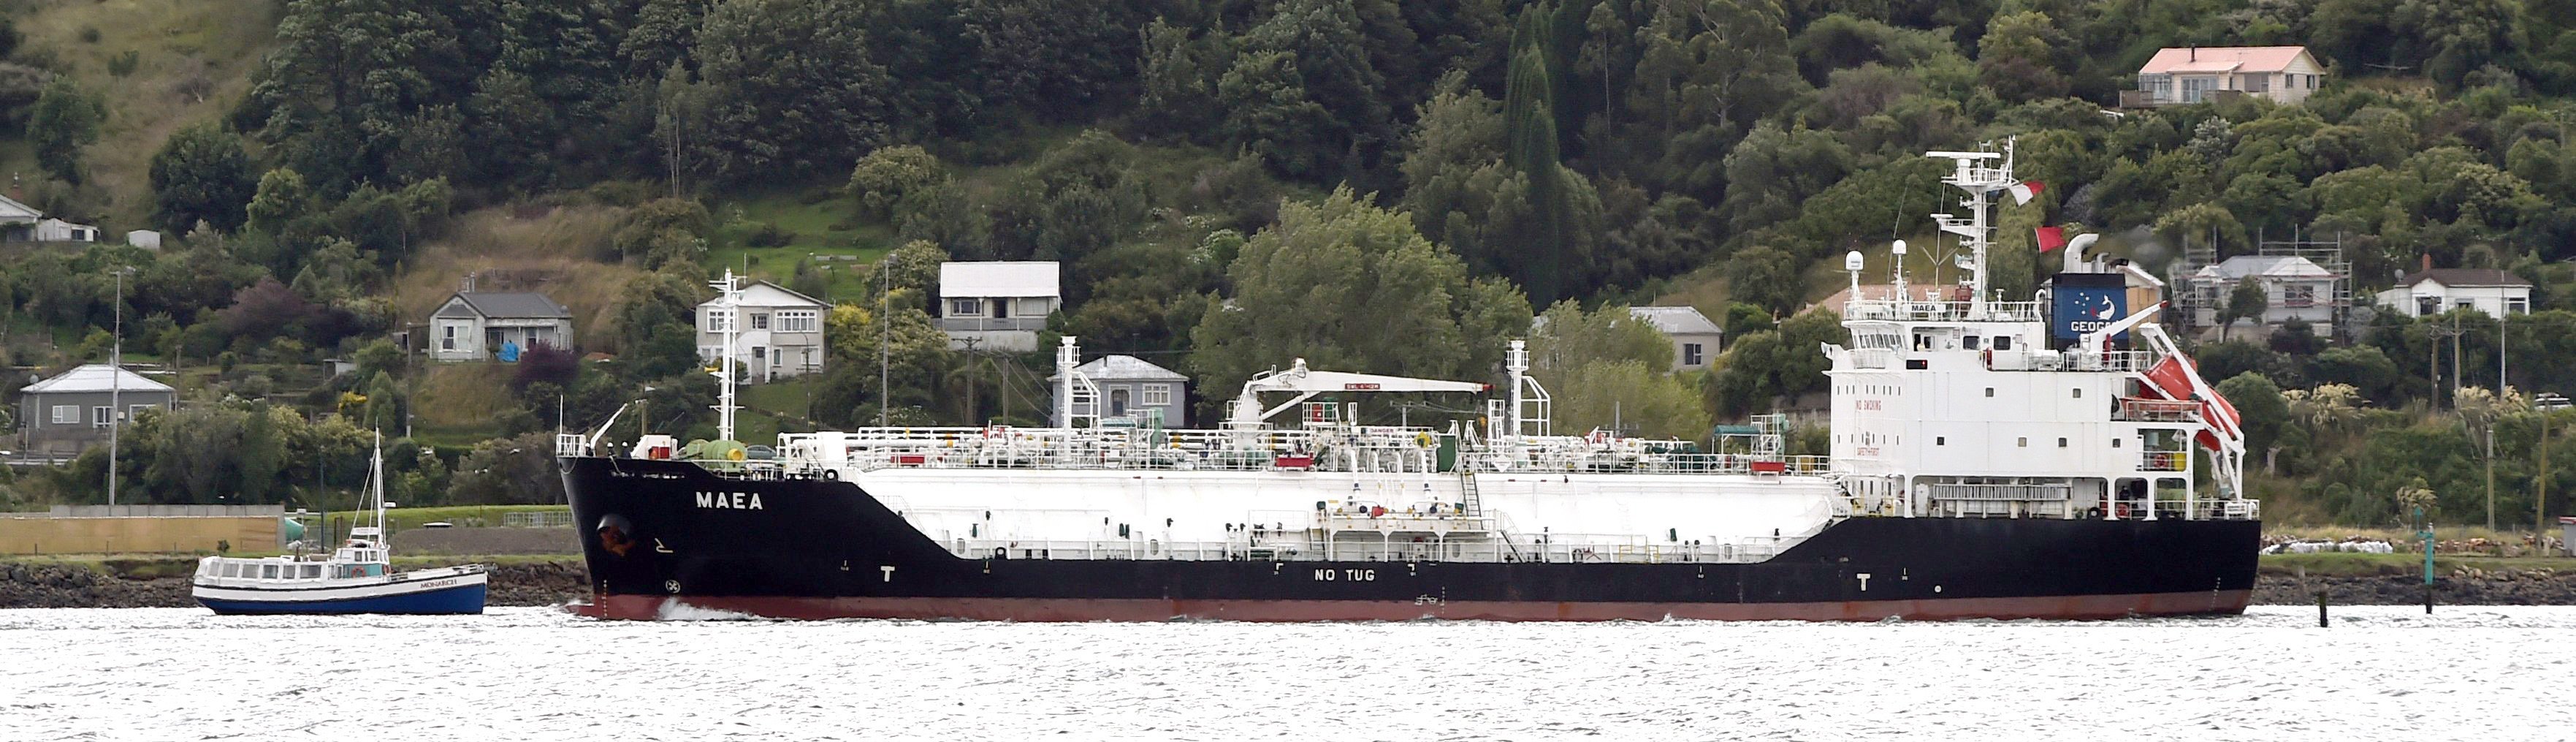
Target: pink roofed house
[(2178, 75)]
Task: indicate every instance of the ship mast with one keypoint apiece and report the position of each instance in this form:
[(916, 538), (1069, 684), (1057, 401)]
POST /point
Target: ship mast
[(726, 316), (1975, 232)]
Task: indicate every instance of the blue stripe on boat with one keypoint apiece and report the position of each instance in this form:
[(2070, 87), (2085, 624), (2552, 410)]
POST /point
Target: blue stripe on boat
[(458, 599)]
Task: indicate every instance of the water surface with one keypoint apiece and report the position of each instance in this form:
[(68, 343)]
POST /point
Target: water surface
[(2381, 673)]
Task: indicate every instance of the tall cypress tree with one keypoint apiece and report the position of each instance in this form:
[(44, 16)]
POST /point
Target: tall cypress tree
[(1529, 121)]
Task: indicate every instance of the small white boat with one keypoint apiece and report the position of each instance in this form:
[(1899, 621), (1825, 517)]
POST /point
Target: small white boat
[(356, 578)]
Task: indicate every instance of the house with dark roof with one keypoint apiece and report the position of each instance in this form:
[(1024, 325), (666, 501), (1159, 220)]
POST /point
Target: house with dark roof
[(1129, 386), (491, 325), (72, 410), (1696, 340), (2436, 290), (2293, 288)]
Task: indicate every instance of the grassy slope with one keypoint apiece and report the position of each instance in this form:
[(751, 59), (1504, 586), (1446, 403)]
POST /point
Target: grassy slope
[(220, 41)]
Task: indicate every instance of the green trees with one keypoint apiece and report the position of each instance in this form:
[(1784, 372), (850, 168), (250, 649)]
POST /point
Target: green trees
[(1350, 286), (202, 175), (64, 120), (888, 175), (794, 90), (1606, 368)]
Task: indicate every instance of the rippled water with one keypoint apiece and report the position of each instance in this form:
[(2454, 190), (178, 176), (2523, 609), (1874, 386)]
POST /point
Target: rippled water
[(2466, 673)]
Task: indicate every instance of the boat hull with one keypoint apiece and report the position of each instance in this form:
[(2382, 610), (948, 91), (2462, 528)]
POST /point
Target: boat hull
[(446, 596), (825, 549)]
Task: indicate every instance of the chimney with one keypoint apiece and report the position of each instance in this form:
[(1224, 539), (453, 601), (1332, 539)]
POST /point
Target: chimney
[(467, 285), (2428, 261), (2195, 52)]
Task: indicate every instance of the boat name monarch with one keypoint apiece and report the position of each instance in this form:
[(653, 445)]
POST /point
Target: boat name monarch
[(729, 500)]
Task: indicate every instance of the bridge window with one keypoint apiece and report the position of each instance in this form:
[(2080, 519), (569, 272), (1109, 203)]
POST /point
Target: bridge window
[(2061, 443), (1970, 342), (1990, 391), (2023, 442), (2003, 343), (2115, 443), (1940, 440), (2079, 392)]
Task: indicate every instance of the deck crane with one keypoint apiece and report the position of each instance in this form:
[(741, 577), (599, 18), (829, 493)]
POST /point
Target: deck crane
[(1306, 383)]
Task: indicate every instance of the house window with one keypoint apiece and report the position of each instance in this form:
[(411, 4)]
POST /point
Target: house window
[(1690, 354), (98, 415), (133, 411), (760, 321), (799, 320), (1158, 395), (1118, 400), (2517, 306), (66, 414), (447, 338), (2299, 295), (965, 307), (2159, 87), (2193, 87), (2426, 306)]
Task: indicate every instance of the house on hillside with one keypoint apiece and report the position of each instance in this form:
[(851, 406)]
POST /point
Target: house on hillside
[(1696, 340), (22, 223), (997, 305), (2436, 290), (2293, 288), (1130, 386), (781, 334), (491, 325), (71, 411), (2192, 74)]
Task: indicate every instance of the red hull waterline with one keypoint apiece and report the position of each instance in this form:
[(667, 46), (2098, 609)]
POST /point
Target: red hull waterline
[(649, 607)]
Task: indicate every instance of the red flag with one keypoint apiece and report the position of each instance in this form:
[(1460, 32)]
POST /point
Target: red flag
[(2051, 238)]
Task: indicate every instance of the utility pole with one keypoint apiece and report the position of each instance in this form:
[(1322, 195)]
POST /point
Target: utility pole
[(2540, 504), (885, 332), (115, 384), (2491, 475)]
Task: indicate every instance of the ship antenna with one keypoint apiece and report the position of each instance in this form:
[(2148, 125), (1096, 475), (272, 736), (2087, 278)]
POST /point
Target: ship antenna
[(1897, 266)]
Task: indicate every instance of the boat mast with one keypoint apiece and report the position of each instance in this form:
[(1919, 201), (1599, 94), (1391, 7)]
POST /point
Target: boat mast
[(376, 481)]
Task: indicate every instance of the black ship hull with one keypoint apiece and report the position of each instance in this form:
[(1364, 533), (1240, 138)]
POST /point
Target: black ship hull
[(661, 536)]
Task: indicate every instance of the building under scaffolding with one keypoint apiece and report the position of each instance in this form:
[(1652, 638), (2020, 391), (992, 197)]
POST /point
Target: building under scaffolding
[(2303, 279)]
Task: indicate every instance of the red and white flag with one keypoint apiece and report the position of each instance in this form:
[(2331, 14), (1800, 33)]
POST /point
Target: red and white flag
[(2051, 238), (2023, 191)]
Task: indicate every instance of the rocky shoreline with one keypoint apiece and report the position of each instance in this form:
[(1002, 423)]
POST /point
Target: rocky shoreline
[(50, 585)]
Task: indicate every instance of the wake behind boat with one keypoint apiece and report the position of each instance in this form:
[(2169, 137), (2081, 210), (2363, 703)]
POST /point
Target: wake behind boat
[(356, 578)]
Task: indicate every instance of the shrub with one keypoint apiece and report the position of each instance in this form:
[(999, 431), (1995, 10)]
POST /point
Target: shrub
[(766, 234)]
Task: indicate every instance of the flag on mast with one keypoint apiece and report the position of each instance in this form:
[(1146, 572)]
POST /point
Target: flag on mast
[(2050, 238), (2023, 191)]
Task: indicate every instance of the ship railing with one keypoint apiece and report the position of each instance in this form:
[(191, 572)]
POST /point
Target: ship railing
[(1538, 462), (2164, 460), (1281, 546), (2137, 409), (1942, 311), (2225, 509), (2116, 360)]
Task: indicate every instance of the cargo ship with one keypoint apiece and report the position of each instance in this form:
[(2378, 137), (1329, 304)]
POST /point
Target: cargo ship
[(2058, 457)]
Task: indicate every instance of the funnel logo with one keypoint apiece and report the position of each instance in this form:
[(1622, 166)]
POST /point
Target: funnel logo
[(2083, 309)]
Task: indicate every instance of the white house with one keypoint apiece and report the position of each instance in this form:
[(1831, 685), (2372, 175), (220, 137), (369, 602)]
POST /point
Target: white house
[(486, 325), (22, 223), (2293, 288), (1130, 385), (2191, 74), (2438, 290), (1696, 340), (997, 305), (781, 335)]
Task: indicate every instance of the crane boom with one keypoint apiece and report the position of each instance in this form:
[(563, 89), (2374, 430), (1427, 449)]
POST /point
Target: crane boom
[(1307, 383)]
